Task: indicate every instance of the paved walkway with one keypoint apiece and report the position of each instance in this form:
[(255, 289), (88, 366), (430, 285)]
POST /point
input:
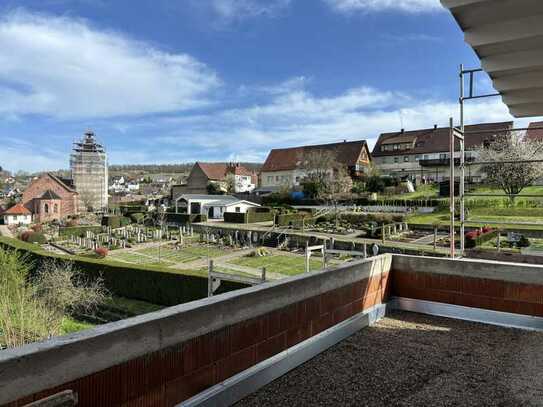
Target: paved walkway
[(4, 231)]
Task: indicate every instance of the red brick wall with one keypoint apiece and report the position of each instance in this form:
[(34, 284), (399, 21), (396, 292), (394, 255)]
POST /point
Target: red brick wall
[(497, 295), (172, 375), (69, 204)]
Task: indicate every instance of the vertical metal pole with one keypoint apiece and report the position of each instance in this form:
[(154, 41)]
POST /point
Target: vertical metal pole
[(263, 274), (323, 257), (210, 279), (451, 184), (462, 164), (307, 254)]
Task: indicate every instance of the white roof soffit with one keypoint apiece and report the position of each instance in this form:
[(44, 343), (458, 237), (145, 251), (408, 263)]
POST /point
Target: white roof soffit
[(507, 35)]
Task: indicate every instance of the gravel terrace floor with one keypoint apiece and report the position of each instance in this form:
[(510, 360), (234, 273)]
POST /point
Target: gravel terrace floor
[(409, 359)]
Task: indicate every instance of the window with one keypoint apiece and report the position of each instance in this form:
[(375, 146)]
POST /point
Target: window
[(55, 208), (405, 158), (426, 156), (277, 178), (443, 156), (395, 147), (298, 179), (417, 157), (384, 160), (396, 159), (238, 210), (419, 144), (46, 208), (270, 179)]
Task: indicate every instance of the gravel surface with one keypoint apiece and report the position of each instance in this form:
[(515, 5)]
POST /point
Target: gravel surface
[(409, 359)]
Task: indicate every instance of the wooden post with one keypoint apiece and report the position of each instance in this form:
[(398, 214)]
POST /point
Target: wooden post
[(324, 256), (263, 274), (435, 238), (365, 250), (498, 243), (383, 232)]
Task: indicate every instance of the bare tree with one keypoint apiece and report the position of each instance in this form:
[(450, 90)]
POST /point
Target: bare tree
[(337, 187), (230, 183), (318, 166), (87, 199), (506, 168), (327, 179), (33, 305)]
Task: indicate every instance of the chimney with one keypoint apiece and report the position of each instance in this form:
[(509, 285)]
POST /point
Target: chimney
[(435, 126), (402, 131), (344, 141)]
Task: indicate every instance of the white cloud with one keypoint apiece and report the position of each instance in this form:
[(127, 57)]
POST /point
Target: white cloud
[(409, 6), (232, 10), (64, 68), (298, 118)]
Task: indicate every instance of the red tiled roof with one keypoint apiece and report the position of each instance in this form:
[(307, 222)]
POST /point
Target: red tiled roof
[(218, 171), (284, 159), (535, 134), (436, 140), (17, 209)]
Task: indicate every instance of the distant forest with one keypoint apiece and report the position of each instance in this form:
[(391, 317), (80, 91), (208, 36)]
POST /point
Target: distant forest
[(167, 168)]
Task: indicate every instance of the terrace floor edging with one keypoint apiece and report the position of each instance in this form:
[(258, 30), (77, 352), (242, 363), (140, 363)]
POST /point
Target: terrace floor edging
[(486, 316)]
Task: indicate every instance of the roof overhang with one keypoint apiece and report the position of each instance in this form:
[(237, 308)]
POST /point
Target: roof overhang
[(507, 35)]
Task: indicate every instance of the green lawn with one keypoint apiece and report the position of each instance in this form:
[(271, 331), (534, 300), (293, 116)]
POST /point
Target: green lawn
[(185, 254), (431, 191), (114, 309), (288, 265), (512, 218), (70, 325)]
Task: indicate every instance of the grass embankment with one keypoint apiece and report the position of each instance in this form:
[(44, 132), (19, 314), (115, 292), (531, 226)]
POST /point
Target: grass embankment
[(151, 283)]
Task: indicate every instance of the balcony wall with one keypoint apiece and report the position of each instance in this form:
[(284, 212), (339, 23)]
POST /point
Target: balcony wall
[(163, 358)]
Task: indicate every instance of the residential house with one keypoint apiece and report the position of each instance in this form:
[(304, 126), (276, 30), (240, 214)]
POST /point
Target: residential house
[(49, 197), (287, 167), (535, 131), (17, 215), (214, 206), (203, 174), (424, 155)]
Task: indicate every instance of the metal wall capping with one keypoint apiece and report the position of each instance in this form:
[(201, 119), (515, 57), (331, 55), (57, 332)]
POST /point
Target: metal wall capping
[(249, 381), (485, 316)]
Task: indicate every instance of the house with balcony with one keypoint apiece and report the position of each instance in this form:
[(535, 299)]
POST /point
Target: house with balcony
[(286, 167), (424, 155)]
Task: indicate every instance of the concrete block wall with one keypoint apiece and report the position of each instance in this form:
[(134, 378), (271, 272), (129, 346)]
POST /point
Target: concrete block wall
[(163, 358), (505, 287)]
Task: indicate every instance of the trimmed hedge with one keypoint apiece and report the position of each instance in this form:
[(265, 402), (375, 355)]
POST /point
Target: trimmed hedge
[(36, 237), (294, 219), (78, 230), (182, 218), (114, 221), (259, 216), (152, 284), (235, 217)]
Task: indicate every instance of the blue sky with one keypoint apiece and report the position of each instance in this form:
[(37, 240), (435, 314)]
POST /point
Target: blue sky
[(163, 81)]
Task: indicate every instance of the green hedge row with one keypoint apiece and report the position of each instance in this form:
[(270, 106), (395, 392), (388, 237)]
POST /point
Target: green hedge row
[(152, 284), (294, 219), (182, 218), (115, 221), (259, 216), (78, 230), (235, 217)]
